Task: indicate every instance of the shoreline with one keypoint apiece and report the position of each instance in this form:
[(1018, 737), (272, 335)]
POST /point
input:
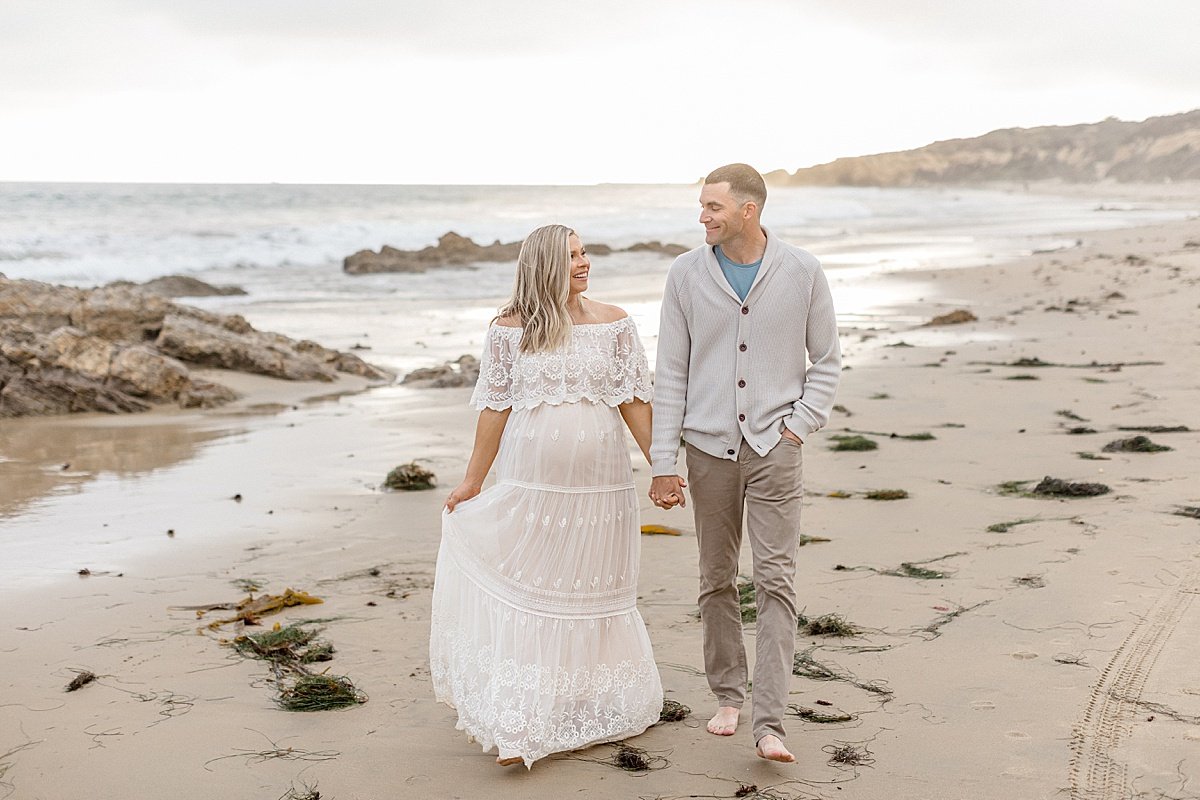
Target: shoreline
[(979, 703)]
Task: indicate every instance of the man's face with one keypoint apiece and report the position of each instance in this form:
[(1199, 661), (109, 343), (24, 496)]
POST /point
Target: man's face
[(722, 216)]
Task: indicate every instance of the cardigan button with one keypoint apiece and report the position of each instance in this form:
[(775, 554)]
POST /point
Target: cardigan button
[(741, 384), (728, 452), (742, 347), (741, 417), (745, 309)]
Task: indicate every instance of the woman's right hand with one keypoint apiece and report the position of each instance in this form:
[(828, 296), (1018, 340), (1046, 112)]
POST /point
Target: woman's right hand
[(464, 491)]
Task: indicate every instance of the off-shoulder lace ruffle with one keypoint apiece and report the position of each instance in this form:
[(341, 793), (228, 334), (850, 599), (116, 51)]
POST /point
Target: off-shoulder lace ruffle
[(604, 363)]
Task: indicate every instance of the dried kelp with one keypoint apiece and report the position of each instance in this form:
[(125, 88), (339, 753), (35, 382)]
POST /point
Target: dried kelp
[(829, 625), (81, 679), (854, 443), (804, 665), (1155, 428), (319, 693), (812, 715), (886, 494), (1056, 487), (1135, 444), (673, 711), (252, 609)]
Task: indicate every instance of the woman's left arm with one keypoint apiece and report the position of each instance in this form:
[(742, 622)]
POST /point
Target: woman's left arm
[(638, 417)]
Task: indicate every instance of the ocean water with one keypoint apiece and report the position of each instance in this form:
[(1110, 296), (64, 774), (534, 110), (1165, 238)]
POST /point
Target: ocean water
[(285, 243)]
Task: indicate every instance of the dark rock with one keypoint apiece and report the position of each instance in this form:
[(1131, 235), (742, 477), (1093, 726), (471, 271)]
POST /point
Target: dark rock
[(1056, 487), (453, 250), (181, 286), (410, 477), (1135, 444), (452, 374), (953, 318)]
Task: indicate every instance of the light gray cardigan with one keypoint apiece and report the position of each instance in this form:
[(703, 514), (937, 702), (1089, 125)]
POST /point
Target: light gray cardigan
[(729, 370)]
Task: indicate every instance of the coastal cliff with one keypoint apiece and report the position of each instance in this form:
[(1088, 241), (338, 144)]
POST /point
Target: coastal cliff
[(1155, 150)]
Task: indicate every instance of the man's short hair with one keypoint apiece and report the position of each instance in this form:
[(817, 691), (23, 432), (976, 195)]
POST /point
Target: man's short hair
[(745, 184)]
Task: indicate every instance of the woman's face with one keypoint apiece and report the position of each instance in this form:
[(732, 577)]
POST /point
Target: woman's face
[(580, 266)]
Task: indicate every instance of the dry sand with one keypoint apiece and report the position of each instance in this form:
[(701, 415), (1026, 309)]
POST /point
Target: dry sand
[(1053, 659)]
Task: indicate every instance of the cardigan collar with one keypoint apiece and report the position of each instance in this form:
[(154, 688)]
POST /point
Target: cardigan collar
[(771, 258)]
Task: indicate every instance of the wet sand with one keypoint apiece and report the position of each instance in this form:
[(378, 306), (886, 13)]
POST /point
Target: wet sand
[(1052, 658)]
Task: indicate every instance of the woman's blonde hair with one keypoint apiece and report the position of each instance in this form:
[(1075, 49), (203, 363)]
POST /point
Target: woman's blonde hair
[(541, 289)]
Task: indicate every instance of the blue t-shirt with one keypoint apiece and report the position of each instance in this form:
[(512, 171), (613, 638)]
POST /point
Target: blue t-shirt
[(740, 276)]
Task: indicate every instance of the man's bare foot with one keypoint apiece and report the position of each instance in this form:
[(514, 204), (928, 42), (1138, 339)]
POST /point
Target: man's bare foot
[(771, 748), (508, 762), (725, 722)]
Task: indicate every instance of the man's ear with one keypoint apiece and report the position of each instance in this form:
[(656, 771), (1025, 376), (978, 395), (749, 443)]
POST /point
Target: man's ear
[(746, 209)]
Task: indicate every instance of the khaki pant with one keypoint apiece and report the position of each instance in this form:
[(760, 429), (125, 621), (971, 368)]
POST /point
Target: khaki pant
[(769, 489)]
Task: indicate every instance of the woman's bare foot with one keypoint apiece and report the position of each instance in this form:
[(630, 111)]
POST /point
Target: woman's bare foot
[(725, 722), (508, 762), (771, 748)]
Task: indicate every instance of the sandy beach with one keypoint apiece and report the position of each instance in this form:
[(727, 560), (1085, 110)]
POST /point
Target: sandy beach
[(1008, 645)]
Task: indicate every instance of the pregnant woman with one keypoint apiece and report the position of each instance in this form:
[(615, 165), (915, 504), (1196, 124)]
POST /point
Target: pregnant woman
[(536, 640)]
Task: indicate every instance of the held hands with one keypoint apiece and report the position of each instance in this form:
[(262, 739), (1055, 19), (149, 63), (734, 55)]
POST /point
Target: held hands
[(666, 491), (464, 491)]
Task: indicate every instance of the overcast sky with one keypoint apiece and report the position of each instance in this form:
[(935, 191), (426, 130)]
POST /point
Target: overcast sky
[(556, 91)]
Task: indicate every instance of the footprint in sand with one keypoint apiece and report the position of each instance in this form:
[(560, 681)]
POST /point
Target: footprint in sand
[(1024, 655), (983, 705)]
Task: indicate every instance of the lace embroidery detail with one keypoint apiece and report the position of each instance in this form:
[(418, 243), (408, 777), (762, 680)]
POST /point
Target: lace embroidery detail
[(604, 363)]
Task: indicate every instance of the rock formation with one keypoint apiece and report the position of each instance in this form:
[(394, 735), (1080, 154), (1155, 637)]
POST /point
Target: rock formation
[(450, 375), (453, 250), (119, 348), (181, 286), (1154, 150)]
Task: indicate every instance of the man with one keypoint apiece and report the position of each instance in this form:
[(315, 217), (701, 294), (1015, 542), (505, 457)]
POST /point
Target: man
[(739, 317)]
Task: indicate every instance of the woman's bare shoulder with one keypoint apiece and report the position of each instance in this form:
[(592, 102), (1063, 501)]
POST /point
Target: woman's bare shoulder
[(608, 312)]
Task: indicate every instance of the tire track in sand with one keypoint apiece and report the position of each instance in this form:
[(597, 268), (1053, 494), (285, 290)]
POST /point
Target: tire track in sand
[(1107, 719)]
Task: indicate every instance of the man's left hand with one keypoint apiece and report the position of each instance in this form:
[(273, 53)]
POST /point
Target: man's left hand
[(787, 434)]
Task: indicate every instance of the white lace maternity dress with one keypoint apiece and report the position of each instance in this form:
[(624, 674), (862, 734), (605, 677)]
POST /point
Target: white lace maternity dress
[(536, 640)]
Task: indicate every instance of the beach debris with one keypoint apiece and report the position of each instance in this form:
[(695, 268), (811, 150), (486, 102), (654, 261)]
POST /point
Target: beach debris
[(1112, 366), (275, 752), (908, 569), (804, 539), (881, 396), (410, 477), (1155, 428), (934, 629), (1080, 430), (886, 494), (673, 711), (660, 530), (840, 495), (248, 585), (1067, 658), (849, 755), (956, 317), (842, 409), (912, 437), (812, 715), (1005, 527), (804, 665), (854, 443), (1067, 413), (1056, 487), (84, 572), (1022, 377), (745, 789), (1135, 444), (746, 600), (1086, 456), (309, 692), (170, 533), (828, 625), (82, 678), (1031, 582), (237, 498), (252, 609), (635, 759), (900, 343), (1187, 511), (292, 644), (306, 792)]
